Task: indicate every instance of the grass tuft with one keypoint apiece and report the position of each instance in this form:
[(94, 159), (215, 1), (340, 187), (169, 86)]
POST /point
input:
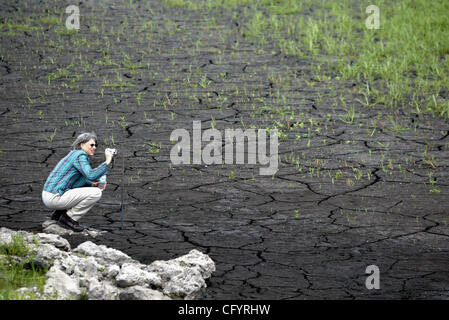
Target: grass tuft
[(13, 274)]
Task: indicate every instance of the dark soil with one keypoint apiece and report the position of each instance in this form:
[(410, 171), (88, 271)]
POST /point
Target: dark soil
[(364, 192)]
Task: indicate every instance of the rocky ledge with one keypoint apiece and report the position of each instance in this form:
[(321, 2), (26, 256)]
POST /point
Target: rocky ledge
[(101, 273)]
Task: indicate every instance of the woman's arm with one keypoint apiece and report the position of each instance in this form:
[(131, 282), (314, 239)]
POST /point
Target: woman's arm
[(82, 182), (83, 166)]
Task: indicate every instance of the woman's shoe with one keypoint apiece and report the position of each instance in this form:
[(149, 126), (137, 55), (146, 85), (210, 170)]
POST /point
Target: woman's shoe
[(57, 214), (66, 222)]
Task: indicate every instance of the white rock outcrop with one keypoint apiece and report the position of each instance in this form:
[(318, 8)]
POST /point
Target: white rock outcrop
[(184, 276), (51, 226), (101, 273), (60, 285)]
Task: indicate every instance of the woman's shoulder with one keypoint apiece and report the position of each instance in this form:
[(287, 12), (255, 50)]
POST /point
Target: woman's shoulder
[(78, 153)]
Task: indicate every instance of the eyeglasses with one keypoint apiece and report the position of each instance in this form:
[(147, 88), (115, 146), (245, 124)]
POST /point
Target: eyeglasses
[(93, 144)]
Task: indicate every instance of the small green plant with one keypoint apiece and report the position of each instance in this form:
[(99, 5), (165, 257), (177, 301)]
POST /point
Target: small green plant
[(16, 247), (139, 98), (120, 85), (14, 256), (106, 62), (60, 73), (52, 20), (204, 83), (338, 174), (297, 213), (349, 117), (152, 148), (84, 296), (127, 64), (123, 122), (52, 136), (109, 142)]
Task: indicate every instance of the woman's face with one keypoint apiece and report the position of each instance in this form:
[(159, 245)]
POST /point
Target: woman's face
[(89, 147)]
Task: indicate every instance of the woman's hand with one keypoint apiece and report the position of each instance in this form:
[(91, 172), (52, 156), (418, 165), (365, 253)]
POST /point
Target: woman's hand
[(97, 184), (108, 154)]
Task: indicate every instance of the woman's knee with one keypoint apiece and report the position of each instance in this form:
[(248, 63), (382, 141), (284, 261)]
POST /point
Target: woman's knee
[(92, 194), (96, 193), (51, 201)]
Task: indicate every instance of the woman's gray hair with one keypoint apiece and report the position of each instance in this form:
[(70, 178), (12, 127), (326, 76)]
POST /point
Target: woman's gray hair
[(83, 138)]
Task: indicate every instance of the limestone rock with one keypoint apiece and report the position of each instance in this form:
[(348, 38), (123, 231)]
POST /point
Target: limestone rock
[(49, 252), (29, 293), (103, 253), (112, 271), (102, 290), (61, 284), (103, 273), (198, 259), (52, 227), (188, 284), (55, 240), (5, 235), (87, 267), (183, 277), (141, 293), (130, 274), (68, 263)]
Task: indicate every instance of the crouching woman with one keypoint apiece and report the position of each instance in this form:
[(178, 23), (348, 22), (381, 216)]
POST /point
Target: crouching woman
[(72, 188)]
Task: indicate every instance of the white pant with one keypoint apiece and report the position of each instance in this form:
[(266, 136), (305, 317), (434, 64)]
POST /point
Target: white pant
[(77, 201)]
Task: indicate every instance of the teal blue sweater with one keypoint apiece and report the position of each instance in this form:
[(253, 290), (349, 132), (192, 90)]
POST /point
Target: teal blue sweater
[(73, 171)]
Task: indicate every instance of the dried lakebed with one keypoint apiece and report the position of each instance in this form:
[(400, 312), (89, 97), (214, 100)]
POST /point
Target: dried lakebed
[(354, 188)]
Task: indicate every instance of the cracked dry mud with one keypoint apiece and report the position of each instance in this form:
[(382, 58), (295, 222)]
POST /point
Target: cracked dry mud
[(348, 194)]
